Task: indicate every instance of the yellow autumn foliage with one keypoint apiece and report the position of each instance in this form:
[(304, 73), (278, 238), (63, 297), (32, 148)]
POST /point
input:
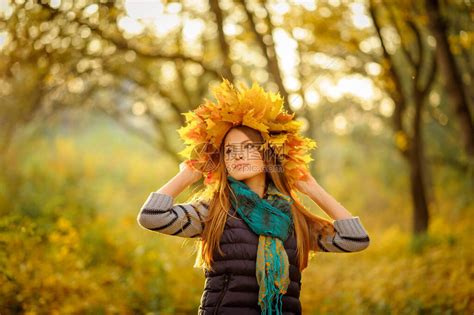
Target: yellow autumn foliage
[(71, 245)]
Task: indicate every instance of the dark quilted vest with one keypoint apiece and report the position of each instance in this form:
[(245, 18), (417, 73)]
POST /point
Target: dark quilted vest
[(232, 289)]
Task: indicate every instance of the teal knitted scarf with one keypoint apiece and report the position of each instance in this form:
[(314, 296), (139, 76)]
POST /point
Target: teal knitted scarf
[(270, 218)]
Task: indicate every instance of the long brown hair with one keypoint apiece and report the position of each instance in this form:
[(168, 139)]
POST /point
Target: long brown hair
[(307, 225)]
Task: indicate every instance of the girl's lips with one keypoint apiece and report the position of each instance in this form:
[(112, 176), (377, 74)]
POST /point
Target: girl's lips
[(240, 166)]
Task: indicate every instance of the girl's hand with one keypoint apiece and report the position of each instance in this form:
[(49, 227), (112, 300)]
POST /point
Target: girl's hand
[(306, 184), (189, 172)]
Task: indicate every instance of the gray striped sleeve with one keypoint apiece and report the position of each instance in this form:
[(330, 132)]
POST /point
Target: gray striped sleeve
[(160, 214), (350, 236)]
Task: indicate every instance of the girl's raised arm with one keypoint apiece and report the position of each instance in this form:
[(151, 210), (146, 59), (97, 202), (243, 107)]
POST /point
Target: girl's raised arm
[(160, 214), (350, 236)]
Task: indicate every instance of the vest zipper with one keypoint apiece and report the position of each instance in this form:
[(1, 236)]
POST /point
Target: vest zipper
[(224, 290)]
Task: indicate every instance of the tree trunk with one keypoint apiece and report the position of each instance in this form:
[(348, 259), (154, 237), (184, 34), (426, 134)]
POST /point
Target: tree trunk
[(453, 80), (269, 52), (226, 71), (417, 182)]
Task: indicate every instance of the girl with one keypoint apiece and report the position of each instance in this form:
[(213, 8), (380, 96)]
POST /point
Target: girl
[(255, 235)]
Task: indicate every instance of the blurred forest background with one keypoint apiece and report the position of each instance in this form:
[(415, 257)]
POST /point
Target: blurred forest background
[(91, 96)]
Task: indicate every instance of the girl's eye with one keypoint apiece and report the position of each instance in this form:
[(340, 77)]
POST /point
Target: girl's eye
[(227, 151), (255, 146)]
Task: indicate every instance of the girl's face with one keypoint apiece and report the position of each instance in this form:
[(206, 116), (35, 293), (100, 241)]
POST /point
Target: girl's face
[(242, 156)]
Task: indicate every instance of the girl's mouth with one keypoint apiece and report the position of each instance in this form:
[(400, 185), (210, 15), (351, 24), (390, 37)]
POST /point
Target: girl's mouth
[(241, 166)]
